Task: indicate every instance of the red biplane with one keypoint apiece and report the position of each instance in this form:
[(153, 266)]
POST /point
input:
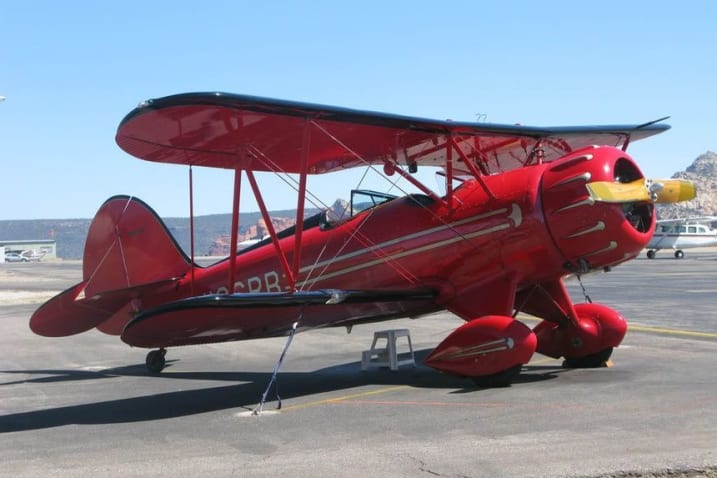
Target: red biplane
[(523, 207)]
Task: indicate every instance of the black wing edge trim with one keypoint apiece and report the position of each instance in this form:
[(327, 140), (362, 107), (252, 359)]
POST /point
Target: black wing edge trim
[(287, 299), (335, 113)]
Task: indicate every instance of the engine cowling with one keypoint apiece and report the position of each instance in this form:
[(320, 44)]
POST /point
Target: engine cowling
[(589, 233)]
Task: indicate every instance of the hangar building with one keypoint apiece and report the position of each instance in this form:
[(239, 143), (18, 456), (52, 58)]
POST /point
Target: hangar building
[(45, 248)]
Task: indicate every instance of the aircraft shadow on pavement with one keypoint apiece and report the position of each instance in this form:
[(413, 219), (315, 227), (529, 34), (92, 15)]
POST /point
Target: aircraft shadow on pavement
[(244, 393)]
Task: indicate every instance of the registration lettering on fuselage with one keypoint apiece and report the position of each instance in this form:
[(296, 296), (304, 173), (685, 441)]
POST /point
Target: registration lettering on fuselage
[(267, 282)]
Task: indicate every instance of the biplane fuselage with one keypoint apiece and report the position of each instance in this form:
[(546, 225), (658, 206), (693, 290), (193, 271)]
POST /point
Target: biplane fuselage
[(496, 245), (457, 252)]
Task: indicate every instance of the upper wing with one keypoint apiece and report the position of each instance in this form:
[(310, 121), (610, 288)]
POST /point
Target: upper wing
[(219, 318), (234, 131)]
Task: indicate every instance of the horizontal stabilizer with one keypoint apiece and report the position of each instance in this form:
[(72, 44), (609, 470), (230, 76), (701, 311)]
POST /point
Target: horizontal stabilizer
[(72, 312), (219, 318)]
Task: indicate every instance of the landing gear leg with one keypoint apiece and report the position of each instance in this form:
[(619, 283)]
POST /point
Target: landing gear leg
[(155, 361)]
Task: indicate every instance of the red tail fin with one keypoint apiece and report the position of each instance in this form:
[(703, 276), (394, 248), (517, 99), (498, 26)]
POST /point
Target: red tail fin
[(128, 252), (128, 245)]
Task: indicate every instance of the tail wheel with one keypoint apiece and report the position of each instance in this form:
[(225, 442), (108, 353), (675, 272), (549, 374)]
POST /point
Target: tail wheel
[(155, 361), (651, 254), (679, 254)]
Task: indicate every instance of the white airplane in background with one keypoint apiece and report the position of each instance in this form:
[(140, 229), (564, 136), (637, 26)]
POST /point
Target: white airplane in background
[(681, 234)]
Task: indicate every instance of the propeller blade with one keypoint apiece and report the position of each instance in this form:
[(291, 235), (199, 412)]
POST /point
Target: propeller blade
[(674, 190), (607, 191), (660, 191)]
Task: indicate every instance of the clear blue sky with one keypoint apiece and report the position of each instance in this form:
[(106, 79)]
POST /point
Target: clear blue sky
[(71, 70)]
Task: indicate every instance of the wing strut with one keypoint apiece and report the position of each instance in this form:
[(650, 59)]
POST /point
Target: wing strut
[(301, 199), (474, 170), (449, 172), (235, 231), (191, 227), (272, 232)]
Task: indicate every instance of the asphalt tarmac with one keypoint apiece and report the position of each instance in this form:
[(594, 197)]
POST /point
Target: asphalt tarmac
[(85, 406)]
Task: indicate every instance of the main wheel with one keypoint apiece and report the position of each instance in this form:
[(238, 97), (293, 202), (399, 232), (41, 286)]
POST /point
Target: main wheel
[(596, 360), (155, 361), (498, 380), (679, 254), (651, 254)]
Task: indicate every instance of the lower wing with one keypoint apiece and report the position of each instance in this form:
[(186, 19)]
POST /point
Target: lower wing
[(222, 318)]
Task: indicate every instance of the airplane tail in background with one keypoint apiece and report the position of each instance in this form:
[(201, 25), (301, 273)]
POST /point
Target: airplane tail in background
[(128, 252)]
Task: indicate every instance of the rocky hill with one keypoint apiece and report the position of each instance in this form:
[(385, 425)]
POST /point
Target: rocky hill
[(703, 172)]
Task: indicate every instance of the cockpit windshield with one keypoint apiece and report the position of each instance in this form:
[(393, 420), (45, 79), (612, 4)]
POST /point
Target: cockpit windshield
[(362, 199)]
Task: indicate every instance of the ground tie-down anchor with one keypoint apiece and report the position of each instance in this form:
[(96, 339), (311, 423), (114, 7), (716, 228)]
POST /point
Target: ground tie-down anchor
[(272, 381)]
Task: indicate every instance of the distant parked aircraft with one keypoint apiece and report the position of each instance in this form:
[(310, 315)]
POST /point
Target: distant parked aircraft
[(681, 234)]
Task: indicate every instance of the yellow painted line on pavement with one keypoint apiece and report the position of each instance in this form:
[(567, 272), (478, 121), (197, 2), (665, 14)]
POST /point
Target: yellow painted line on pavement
[(661, 330), (344, 397)]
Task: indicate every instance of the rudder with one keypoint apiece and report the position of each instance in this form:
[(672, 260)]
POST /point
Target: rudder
[(128, 245)]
